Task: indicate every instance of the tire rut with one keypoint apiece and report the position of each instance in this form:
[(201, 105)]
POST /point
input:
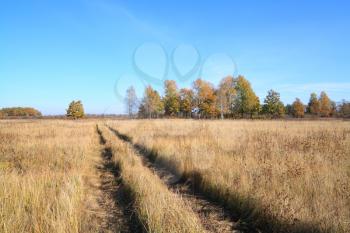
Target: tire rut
[(119, 215), (213, 217)]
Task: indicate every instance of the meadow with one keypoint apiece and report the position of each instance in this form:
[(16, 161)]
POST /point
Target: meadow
[(277, 175), (174, 175)]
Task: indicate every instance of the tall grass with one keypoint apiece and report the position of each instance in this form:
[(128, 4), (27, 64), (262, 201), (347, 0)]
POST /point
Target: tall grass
[(158, 209), (42, 170), (283, 176)]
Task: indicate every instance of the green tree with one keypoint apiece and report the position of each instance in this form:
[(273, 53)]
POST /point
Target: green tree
[(226, 95), (273, 105), (246, 102), (289, 109), (152, 105), (205, 98), (325, 105), (186, 102), (333, 109), (131, 101), (75, 110), (344, 109), (298, 108), (314, 105), (171, 98)]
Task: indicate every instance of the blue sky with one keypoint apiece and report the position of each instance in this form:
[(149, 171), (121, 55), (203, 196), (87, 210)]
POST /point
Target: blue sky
[(52, 52)]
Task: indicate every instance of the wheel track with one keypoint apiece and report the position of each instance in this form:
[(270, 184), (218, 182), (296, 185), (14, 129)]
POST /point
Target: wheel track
[(213, 217), (119, 215)]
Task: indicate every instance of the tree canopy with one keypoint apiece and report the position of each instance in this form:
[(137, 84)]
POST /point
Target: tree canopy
[(273, 105), (205, 98), (186, 102), (247, 102), (131, 101), (298, 108), (325, 105), (233, 97), (314, 105), (171, 99), (75, 110), (226, 95), (151, 105)]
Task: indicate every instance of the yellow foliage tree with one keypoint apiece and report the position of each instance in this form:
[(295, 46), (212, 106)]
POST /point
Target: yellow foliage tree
[(226, 95), (325, 105), (205, 98), (247, 102), (171, 98), (298, 108), (75, 110), (186, 102)]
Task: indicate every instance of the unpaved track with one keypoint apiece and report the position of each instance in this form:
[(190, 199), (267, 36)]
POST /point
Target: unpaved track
[(119, 216), (213, 217)]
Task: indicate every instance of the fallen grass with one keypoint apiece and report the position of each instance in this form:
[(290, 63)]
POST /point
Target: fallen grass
[(281, 176), (158, 209)]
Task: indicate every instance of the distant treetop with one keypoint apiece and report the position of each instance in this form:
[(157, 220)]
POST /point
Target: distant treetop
[(232, 98), (75, 110)]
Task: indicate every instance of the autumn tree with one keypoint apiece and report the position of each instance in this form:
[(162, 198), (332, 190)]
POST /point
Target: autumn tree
[(225, 95), (273, 105), (75, 110), (246, 101), (205, 98), (151, 105), (131, 101), (186, 102), (325, 105), (313, 105), (298, 108), (171, 98), (19, 112)]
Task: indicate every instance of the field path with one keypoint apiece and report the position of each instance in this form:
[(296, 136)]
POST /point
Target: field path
[(118, 211), (213, 217)]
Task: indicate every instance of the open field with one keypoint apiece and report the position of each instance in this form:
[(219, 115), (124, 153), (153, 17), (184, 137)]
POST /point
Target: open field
[(276, 175), (42, 170), (174, 176)]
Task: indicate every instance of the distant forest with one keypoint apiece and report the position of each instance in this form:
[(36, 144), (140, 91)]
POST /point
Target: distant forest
[(19, 112), (234, 98)]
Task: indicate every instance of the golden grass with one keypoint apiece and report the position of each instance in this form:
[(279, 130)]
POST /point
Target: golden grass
[(43, 165), (280, 175), (158, 209)]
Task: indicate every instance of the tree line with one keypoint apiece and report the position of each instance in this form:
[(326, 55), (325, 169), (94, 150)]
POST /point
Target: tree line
[(19, 112), (233, 98), (75, 111)]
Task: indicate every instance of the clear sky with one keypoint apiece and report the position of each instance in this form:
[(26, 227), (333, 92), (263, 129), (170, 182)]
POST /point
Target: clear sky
[(52, 52)]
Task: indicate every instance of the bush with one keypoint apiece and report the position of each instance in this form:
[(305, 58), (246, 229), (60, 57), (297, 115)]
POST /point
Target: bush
[(19, 112), (75, 110)]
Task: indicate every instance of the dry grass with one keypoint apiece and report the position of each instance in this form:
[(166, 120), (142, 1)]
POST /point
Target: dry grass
[(157, 208), (42, 170), (280, 175)]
